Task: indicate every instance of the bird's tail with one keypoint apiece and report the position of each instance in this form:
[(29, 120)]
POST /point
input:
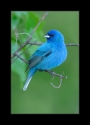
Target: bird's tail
[(30, 75)]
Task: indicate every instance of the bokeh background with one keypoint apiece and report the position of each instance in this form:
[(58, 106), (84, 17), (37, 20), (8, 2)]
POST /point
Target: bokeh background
[(41, 97)]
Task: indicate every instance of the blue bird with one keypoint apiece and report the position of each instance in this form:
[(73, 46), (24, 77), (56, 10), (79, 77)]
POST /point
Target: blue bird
[(49, 55)]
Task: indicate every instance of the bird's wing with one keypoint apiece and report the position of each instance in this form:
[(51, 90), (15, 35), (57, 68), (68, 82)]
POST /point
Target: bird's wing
[(37, 57)]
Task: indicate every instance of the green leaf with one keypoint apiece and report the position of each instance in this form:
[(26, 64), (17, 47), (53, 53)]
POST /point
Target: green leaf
[(19, 68), (14, 47), (24, 22)]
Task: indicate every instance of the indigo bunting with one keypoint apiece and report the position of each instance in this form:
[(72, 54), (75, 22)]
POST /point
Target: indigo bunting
[(49, 55)]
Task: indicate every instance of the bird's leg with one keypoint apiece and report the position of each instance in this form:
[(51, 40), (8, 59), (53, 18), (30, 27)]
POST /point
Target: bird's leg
[(51, 72)]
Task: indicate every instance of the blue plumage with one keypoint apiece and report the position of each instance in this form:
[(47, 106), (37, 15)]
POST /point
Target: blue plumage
[(49, 55)]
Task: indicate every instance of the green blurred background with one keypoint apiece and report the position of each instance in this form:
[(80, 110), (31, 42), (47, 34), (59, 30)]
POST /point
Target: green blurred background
[(41, 97)]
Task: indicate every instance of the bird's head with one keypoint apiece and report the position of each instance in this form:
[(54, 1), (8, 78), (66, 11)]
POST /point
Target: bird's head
[(54, 35)]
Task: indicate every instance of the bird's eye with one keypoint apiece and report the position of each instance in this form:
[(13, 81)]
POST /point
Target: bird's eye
[(51, 35)]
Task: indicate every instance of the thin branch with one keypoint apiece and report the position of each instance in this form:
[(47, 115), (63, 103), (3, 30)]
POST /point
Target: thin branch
[(27, 51), (21, 47), (26, 42), (58, 85), (55, 74), (42, 18), (40, 43), (21, 58), (14, 59), (30, 37), (71, 44), (17, 37), (20, 55), (35, 43), (16, 34)]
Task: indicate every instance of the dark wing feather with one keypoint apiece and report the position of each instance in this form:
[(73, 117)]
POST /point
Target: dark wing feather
[(37, 57)]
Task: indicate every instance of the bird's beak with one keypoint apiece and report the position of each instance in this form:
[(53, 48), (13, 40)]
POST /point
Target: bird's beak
[(47, 36)]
